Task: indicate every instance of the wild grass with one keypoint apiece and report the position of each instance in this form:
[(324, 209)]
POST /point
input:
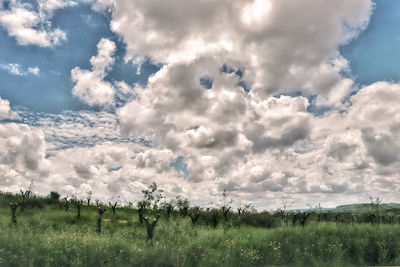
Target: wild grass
[(52, 236)]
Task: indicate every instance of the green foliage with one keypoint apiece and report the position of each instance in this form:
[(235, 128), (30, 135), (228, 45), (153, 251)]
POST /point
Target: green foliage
[(168, 207), (183, 205), (54, 196), (49, 236), (153, 195)]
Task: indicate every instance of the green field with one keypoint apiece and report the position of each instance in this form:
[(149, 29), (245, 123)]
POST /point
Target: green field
[(48, 235)]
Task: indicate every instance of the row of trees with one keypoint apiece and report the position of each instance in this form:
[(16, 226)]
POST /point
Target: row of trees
[(154, 203)]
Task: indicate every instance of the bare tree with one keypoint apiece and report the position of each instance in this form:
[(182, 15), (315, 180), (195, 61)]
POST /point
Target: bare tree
[(66, 203), (78, 205), (89, 197), (13, 207), (100, 212), (142, 206), (225, 204), (113, 207), (194, 215), (25, 195), (150, 229)]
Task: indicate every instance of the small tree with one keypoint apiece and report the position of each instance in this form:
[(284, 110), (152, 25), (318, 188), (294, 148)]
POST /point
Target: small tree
[(142, 206), (113, 207), (153, 195), (78, 205), (286, 203), (240, 210), (183, 205), (318, 210), (89, 197), (100, 212), (215, 218), (13, 207), (151, 199), (25, 195), (54, 196), (225, 211), (66, 203), (225, 204), (168, 207), (150, 229), (376, 206), (301, 217), (194, 215), (244, 209)]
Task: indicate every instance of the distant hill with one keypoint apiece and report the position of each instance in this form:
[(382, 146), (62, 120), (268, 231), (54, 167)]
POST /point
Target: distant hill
[(364, 207)]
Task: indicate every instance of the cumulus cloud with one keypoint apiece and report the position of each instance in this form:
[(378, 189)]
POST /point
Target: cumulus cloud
[(374, 111), (223, 105), (260, 143), (111, 170), (4, 107), (278, 122), (102, 5), (31, 27), (90, 85), (49, 6), (22, 155), (213, 129), (330, 165), (256, 35), (255, 143)]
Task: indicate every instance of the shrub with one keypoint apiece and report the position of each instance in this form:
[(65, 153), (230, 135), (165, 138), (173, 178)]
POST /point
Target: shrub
[(54, 196)]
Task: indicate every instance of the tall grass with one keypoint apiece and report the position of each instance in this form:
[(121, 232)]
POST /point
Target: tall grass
[(52, 236)]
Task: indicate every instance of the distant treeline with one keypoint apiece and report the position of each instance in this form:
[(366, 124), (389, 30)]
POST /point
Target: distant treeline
[(154, 204)]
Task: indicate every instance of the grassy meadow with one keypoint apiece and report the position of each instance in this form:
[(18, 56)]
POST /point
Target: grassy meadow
[(46, 234)]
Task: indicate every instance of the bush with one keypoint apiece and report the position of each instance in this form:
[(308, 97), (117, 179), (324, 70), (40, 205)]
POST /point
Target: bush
[(35, 203), (54, 196), (263, 219)]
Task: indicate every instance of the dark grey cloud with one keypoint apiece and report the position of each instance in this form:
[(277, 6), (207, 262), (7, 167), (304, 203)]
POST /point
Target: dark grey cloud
[(381, 147), (340, 150)]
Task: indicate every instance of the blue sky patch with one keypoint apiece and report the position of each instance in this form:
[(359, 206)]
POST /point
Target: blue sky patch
[(375, 54), (180, 166), (206, 82), (50, 90)]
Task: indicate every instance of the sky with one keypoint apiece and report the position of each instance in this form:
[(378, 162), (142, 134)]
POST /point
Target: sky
[(270, 100)]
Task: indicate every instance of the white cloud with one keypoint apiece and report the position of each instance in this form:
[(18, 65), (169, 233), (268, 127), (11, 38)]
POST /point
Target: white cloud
[(343, 158), (22, 155), (215, 130), (102, 5), (31, 27), (90, 85), (70, 128), (34, 70), (49, 6), (13, 68), (4, 107), (276, 53), (257, 145), (17, 69)]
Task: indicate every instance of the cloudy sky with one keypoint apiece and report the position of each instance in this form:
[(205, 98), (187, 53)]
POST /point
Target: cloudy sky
[(268, 99)]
